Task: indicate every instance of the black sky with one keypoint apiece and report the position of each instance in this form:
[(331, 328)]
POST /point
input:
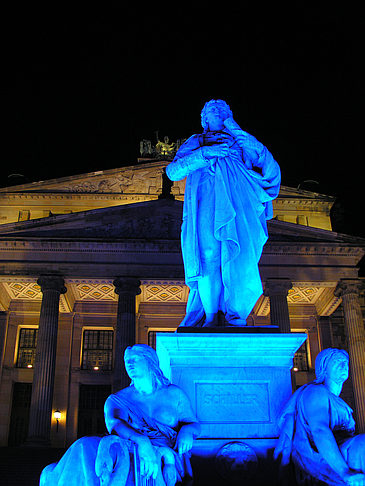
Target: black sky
[(79, 93)]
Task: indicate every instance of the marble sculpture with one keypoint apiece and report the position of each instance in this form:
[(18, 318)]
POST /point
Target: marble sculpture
[(231, 181), (318, 430), (151, 429)]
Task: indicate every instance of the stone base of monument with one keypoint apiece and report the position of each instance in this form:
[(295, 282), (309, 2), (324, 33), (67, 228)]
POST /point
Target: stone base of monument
[(237, 384)]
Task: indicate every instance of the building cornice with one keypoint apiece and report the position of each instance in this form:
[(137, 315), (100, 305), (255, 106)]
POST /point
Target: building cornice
[(332, 249), (87, 246), (90, 196), (302, 204), (20, 244)]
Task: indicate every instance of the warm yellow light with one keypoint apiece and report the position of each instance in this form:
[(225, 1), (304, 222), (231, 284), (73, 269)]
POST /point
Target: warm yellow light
[(29, 366), (295, 369), (96, 368), (57, 415)]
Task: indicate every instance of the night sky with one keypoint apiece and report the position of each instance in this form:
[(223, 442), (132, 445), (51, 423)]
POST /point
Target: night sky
[(81, 89)]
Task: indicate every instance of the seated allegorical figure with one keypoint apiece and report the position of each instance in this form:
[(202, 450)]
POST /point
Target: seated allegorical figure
[(151, 429), (318, 430)]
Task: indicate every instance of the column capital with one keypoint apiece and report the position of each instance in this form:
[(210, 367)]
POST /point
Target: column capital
[(347, 286), (52, 282), (277, 286), (127, 285)]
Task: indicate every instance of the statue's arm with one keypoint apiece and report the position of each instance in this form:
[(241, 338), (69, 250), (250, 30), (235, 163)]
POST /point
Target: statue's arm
[(189, 426), (316, 407), (189, 158), (283, 445), (116, 423), (255, 153), (116, 420)]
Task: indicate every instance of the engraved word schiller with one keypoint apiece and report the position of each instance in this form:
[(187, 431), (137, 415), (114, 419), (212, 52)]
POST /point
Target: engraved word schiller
[(234, 401)]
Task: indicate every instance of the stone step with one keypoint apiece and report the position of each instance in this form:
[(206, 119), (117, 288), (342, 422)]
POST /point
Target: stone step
[(22, 466)]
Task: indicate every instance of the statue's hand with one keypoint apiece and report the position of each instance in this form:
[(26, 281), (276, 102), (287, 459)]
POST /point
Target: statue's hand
[(184, 441), (212, 138), (169, 474), (354, 479), (147, 457), (217, 150)]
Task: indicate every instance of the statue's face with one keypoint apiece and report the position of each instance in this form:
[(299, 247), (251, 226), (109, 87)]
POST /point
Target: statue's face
[(136, 366), (338, 370), (214, 117)]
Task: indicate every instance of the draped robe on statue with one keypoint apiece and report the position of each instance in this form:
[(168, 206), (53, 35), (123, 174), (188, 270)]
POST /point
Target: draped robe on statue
[(238, 191), (296, 440), (84, 462), (161, 435)]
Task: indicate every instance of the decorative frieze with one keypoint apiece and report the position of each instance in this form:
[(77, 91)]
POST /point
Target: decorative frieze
[(318, 297), (301, 204), (88, 246), (129, 181), (95, 292), (270, 249), (30, 291), (164, 293)]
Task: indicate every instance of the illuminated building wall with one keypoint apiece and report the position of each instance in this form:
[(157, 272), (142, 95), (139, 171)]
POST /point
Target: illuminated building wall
[(94, 229)]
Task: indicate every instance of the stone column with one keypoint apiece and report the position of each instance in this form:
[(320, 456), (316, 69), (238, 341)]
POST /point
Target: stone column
[(325, 332), (44, 368), (277, 291), (349, 290), (127, 289)]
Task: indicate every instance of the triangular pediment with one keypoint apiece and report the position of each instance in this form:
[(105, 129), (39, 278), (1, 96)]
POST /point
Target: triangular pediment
[(157, 219), (144, 177), (131, 179), (298, 193), (282, 231)]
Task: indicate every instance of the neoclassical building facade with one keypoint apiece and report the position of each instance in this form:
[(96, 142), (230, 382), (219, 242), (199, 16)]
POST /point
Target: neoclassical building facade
[(92, 263)]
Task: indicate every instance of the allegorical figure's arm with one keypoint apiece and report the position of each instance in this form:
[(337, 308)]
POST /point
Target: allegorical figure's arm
[(118, 425), (189, 426), (317, 413)]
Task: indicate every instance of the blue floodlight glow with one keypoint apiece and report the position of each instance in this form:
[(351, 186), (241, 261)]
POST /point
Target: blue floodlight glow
[(231, 181)]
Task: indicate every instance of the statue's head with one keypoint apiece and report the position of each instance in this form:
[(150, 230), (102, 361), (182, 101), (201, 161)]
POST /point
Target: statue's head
[(140, 361), (330, 362), (220, 106)]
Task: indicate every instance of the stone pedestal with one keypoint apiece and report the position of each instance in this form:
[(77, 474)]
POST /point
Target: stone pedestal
[(237, 384)]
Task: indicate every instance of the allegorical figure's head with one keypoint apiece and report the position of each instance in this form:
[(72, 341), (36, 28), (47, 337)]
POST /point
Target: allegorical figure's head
[(332, 363), (141, 361), (212, 109)]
